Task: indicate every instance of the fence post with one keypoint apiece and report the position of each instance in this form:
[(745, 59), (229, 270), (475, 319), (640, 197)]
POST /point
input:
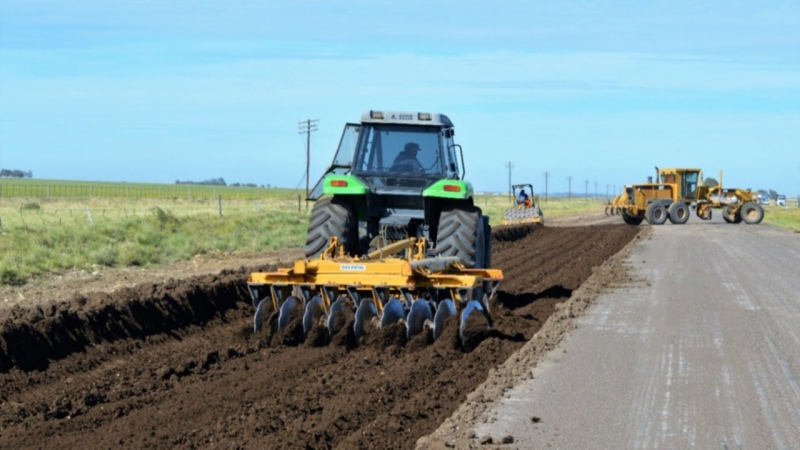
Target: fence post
[(89, 215), (298, 202), (219, 202)]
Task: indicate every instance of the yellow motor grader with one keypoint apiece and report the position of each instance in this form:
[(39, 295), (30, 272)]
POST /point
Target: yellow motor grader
[(678, 190), (526, 210)]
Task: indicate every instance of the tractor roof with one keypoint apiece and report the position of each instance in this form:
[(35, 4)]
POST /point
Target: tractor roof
[(406, 118)]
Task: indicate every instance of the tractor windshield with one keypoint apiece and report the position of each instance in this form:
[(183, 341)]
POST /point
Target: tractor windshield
[(391, 149)]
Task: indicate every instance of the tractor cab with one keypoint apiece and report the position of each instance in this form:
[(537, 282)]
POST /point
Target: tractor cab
[(396, 151)]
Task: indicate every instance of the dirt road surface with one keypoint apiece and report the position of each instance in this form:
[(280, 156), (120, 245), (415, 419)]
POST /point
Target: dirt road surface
[(701, 350)]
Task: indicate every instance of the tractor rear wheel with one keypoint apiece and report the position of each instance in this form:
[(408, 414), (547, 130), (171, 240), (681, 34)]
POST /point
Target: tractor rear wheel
[(679, 213), (731, 215), (331, 217), (461, 233), (752, 213), (656, 214)]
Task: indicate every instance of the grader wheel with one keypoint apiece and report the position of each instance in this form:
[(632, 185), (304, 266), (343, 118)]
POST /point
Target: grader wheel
[(731, 215), (752, 213), (656, 214), (679, 213)]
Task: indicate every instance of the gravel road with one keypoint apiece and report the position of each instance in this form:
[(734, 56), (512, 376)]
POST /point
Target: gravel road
[(701, 351)]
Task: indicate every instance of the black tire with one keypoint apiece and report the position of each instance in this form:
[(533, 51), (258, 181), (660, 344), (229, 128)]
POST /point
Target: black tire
[(461, 233), (679, 213), (330, 217), (656, 214), (731, 215), (631, 220), (752, 213)]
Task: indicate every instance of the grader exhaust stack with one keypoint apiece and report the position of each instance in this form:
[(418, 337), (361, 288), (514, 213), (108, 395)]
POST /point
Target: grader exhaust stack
[(380, 289)]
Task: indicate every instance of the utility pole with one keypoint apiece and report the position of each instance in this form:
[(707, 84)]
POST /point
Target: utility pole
[(546, 175), (510, 165), (569, 191), (586, 190), (595, 189), (307, 126)]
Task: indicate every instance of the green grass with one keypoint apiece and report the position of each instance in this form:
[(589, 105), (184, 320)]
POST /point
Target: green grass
[(60, 235), (784, 217), (495, 205), (52, 189)]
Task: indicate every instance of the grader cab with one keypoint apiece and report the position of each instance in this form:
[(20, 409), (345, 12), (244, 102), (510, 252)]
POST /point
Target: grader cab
[(675, 191)]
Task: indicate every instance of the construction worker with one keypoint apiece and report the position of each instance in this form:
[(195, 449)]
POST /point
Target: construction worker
[(523, 199)]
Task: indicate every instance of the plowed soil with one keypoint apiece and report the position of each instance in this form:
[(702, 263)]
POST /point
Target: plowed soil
[(176, 364)]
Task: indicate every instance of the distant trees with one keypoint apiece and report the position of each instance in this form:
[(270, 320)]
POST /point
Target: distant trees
[(210, 182), (15, 173)]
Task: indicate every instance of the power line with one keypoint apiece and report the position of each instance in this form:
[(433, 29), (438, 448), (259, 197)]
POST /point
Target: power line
[(307, 126), (546, 176), (510, 165)]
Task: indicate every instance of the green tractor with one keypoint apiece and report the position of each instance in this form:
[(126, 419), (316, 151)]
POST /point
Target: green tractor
[(399, 175)]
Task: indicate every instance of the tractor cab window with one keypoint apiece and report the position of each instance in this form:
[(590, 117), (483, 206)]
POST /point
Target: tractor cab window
[(399, 149), (451, 164), (690, 184), (342, 160)]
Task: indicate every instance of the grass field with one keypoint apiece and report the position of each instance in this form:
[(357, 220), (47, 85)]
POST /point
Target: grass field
[(784, 217), (52, 189), (41, 235)]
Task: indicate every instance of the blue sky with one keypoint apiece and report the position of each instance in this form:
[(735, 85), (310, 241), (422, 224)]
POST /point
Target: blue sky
[(154, 91)]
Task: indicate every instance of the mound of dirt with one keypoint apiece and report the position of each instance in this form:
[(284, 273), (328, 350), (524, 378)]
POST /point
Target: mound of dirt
[(176, 365)]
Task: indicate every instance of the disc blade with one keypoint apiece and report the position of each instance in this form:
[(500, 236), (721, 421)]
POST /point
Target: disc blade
[(393, 312), (469, 319), (364, 313), (315, 309), (445, 310), (336, 315), (420, 312), (288, 311)]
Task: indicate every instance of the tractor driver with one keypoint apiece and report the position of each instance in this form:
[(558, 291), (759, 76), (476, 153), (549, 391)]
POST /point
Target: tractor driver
[(407, 159), (523, 199)]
